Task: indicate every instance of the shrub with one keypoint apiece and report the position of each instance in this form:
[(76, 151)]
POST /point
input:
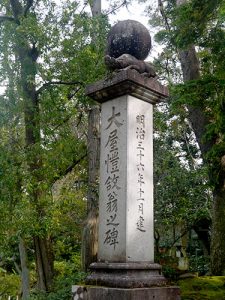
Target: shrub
[(200, 264)]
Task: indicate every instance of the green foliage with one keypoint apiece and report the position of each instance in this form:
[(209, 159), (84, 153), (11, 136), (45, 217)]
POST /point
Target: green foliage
[(62, 287), (69, 211), (189, 23), (181, 190), (169, 266), (68, 273), (192, 20), (199, 264), (9, 284), (170, 272), (200, 23), (212, 90)]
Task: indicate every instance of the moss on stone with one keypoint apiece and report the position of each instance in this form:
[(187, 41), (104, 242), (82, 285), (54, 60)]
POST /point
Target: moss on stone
[(203, 288)]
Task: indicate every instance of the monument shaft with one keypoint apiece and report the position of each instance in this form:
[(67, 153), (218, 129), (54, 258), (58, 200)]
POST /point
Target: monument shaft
[(126, 181)]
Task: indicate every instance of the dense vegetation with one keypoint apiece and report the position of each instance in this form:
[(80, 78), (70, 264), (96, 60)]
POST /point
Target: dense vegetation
[(192, 33), (49, 52)]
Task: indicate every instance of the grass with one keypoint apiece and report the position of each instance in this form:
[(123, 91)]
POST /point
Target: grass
[(203, 288)]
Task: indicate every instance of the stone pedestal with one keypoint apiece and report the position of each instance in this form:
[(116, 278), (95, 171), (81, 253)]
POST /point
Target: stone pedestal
[(104, 293), (126, 275), (126, 221)]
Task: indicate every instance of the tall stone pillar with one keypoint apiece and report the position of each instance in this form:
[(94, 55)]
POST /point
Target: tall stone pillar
[(125, 268), (126, 220)]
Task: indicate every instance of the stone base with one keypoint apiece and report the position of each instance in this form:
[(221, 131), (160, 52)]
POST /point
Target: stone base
[(104, 293), (126, 275)]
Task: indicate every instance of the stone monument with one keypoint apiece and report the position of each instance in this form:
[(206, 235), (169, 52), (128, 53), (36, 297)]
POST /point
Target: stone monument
[(125, 268)]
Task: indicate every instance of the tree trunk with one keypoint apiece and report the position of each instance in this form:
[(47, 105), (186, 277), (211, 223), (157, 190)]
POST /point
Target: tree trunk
[(44, 263), (90, 234), (32, 140), (191, 71), (27, 55), (24, 270), (95, 7), (218, 229), (202, 229)]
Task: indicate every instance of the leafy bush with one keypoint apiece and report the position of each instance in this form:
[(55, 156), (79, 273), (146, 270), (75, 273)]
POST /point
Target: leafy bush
[(9, 284), (170, 272), (199, 264), (68, 273), (62, 288), (169, 265)]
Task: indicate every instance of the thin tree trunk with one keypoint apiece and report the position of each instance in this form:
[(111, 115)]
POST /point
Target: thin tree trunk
[(24, 270), (90, 234), (27, 55), (32, 141)]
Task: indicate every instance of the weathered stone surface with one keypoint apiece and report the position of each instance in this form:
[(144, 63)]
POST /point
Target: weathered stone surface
[(129, 37), (79, 292), (127, 61), (104, 293), (126, 275), (128, 82)]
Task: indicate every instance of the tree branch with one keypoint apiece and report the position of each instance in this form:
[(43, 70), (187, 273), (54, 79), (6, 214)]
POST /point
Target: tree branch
[(70, 168), (6, 18), (16, 8), (47, 84), (180, 236), (72, 94), (75, 162), (17, 267), (28, 6), (124, 3), (161, 9)]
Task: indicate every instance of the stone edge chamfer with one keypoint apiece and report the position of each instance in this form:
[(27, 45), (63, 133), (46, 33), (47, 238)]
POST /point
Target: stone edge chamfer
[(126, 266)]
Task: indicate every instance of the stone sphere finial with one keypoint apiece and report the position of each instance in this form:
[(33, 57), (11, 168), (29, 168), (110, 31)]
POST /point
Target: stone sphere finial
[(129, 37)]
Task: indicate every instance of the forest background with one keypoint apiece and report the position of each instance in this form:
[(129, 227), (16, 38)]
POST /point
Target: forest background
[(49, 138)]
